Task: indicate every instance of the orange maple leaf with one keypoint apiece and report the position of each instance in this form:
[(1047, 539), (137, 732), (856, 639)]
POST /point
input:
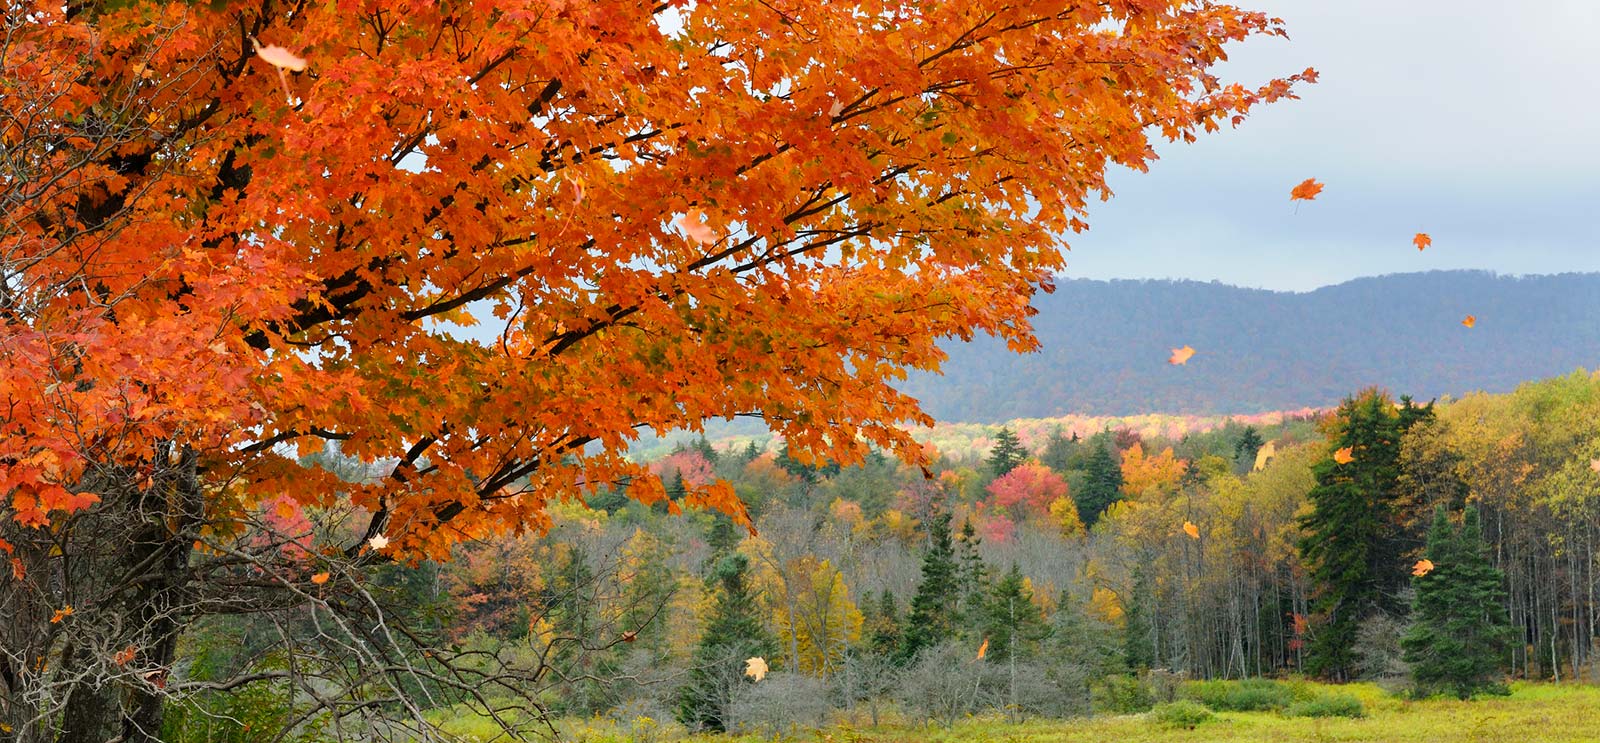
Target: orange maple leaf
[(126, 655), (694, 226), (320, 578), (1470, 321), (1180, 356), (983, 649), (1594, 464), (1344, 456), (756, 667), (1423, 567), (1422, 240), (1190, 529), (1306, 191), (60, 614)]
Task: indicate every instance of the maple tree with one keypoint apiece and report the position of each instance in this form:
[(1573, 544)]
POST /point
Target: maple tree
[(238, 233)]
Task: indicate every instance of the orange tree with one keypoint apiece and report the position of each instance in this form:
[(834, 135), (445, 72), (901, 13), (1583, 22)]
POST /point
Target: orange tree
[(214, 257)]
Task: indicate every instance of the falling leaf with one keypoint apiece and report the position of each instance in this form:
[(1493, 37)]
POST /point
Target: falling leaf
[(320, 578), (1423, 567), (1470, 321), (756, 668), (18, 570), (279, 57), (378, 541), (1180, 356), (1344, 456), (1190, 529), (983, 649), (1306, 191), (694, 226), (836, 109), (630, 636), (1422, 240), (1594, 464), (125, 656), (62, 613)]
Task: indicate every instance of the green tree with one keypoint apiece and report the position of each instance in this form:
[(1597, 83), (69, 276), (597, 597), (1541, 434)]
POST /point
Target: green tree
[(1102, 483), (1354, 540), (734, 634), (882, 624), (1006, 453), (972, 577), (1059, 451), (1460, 636), (1012, 622), (1244, 450), (1138, 647), (933, 614)]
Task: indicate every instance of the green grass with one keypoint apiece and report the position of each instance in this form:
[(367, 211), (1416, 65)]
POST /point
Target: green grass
[(1534, 713)]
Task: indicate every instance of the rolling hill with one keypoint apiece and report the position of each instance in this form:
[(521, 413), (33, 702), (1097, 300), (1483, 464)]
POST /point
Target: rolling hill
[(1106, 343)]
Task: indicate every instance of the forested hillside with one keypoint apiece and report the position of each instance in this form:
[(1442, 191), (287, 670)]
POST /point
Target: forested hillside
[(1060, 575), (1105, 345)]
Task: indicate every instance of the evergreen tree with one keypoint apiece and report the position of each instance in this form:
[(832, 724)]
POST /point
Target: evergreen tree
[(1459, 638), (1102, 484), (1006, 454), (723, 537), (1244, 450), (932, 618), (806, 472), (734, 634), (1138, 647), (1354, 541), (972, 575), (1059, 451), (706, 450), (882, 628), (751, 451), (1012, 622)]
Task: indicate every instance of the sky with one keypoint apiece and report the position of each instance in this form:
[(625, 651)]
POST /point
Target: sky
[(1476, 122)]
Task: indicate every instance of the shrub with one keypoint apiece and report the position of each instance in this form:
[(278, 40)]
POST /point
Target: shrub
[(1331, 705), (1183, 713), (1123, 695), (782, 703), (1250, 695)]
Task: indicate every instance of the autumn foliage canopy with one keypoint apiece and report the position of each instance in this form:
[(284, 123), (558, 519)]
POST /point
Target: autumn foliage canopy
[(483, 245)]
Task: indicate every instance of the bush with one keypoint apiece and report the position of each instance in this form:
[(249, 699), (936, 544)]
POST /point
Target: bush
[(781, 704), (1181, 714), (1123, 695), (1250, 695), (1331, 705)]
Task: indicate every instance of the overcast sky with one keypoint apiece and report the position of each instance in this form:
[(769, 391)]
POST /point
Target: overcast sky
[(1476, 122)]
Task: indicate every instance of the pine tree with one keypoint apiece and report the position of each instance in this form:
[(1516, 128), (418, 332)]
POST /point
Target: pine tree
[(972, 577), (1012, 622), (1354, 543), (882, 628), (734, 634), (932, 618), (706, 450), (1059, 451), (1006, 454), (1138, 647), (1102, 484), (1459, 636), (1244, 450)]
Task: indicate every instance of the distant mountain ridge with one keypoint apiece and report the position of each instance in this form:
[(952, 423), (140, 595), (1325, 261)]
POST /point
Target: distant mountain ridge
[(1106, 343)]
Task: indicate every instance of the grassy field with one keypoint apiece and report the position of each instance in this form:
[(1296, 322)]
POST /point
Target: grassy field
[(1534, 713)]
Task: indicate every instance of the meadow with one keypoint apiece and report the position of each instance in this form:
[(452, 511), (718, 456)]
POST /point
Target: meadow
[(1533, 713)]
